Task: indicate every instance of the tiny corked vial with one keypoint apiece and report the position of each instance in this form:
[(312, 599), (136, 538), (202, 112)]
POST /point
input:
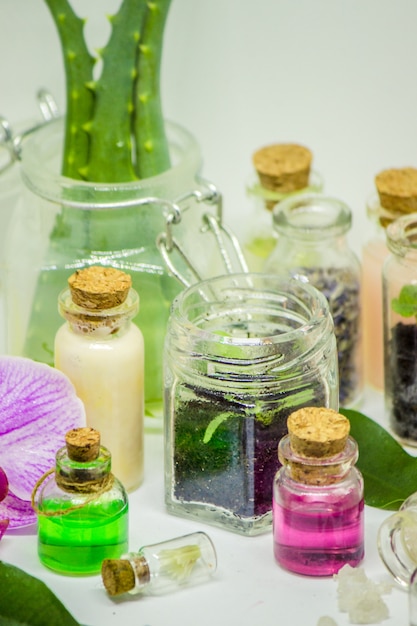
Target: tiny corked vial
[(312, 246), (281, 171), (395, 195), (101, 351), (162, 567), (318, 500), (82, 508)]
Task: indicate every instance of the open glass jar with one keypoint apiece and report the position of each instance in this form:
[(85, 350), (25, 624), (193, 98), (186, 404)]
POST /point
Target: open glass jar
[(241, 353)]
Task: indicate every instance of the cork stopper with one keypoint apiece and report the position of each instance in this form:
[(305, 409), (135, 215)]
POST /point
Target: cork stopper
[(83, 444), (97, 287), (283, 167), (397, 190), (317, 432), (122, 575), (118, 576)]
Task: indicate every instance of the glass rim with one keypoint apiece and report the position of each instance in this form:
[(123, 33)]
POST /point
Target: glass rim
[(282, 291), (45, 144), (307, 215)]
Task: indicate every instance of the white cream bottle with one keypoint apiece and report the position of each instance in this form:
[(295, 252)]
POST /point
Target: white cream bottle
[(102, 353)]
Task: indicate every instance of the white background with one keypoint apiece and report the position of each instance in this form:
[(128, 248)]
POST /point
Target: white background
[(339, 76)]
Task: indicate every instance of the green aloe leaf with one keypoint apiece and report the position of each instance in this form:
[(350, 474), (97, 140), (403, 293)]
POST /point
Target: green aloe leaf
[(27, 601), (389, 472)]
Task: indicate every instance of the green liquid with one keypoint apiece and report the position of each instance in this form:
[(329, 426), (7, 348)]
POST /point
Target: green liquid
[(78, 542)]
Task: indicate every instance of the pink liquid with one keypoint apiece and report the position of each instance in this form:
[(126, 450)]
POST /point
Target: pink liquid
[(318, 538)]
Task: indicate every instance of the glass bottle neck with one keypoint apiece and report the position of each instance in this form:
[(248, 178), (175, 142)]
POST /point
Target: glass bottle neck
[(317, 471), (102, 323), (76, 476), (402, 237), (312, 218)]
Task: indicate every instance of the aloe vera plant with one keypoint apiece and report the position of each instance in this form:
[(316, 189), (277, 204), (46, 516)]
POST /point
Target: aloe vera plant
[(115, 130), (114, 133)]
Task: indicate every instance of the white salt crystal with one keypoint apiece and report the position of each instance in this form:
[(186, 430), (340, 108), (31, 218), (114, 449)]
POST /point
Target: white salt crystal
[(360, 597)]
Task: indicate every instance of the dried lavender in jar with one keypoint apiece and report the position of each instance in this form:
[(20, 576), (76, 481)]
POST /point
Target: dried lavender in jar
[(312, 247)]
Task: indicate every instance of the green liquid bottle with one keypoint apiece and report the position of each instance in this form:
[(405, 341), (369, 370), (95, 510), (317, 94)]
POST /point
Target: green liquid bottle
[(82, 508)]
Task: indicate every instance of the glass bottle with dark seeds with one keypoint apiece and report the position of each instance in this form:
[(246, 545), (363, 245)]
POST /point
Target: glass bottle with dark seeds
[(399, 290), (242, 352)]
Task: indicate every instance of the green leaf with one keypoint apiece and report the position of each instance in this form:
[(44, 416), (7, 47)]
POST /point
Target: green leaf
[(406, 304), (214, 424), (27, 601), (389, 473)]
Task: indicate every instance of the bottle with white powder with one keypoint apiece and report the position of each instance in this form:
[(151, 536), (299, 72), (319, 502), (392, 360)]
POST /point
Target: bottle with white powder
[(102, 353)]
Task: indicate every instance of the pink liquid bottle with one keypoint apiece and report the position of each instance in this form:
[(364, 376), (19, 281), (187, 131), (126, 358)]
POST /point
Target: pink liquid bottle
[(318, 505)]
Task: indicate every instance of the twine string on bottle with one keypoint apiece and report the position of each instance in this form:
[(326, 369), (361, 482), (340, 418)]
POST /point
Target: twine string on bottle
[(93, 487)]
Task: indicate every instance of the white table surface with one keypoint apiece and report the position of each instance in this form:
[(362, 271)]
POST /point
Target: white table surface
[(249, 588)]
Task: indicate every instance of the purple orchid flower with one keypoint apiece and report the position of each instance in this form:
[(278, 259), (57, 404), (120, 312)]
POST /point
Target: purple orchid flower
[(38, 405)]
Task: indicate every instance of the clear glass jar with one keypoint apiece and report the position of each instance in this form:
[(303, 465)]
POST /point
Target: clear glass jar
[(241, 353), (10, 188), (102, 353), (412, 599), (312, 245), (162, 567), (374, 253), (260, 237), (397, 542), (318, 511), (60, 224), (82, 508), (400, 328)]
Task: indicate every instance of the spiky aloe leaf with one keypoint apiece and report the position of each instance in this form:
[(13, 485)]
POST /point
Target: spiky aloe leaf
[(111, 127), (152, 156), (78, 64)]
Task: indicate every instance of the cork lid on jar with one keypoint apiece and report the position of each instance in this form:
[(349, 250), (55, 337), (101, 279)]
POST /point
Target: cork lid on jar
[(97, 287), (317, 432), (397, 189), (283, 167)]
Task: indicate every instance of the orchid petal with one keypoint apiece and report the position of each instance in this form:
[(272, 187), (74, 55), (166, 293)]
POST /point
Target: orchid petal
[(38, 405), (18, 512), (4, 485)]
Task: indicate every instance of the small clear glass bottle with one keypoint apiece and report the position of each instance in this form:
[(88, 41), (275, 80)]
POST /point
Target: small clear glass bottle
[(102, 353), (282, 171), (162, 567), (242, 352), (312, 246), (82, 508), (397, 545), (318, 499), (400, 328)]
